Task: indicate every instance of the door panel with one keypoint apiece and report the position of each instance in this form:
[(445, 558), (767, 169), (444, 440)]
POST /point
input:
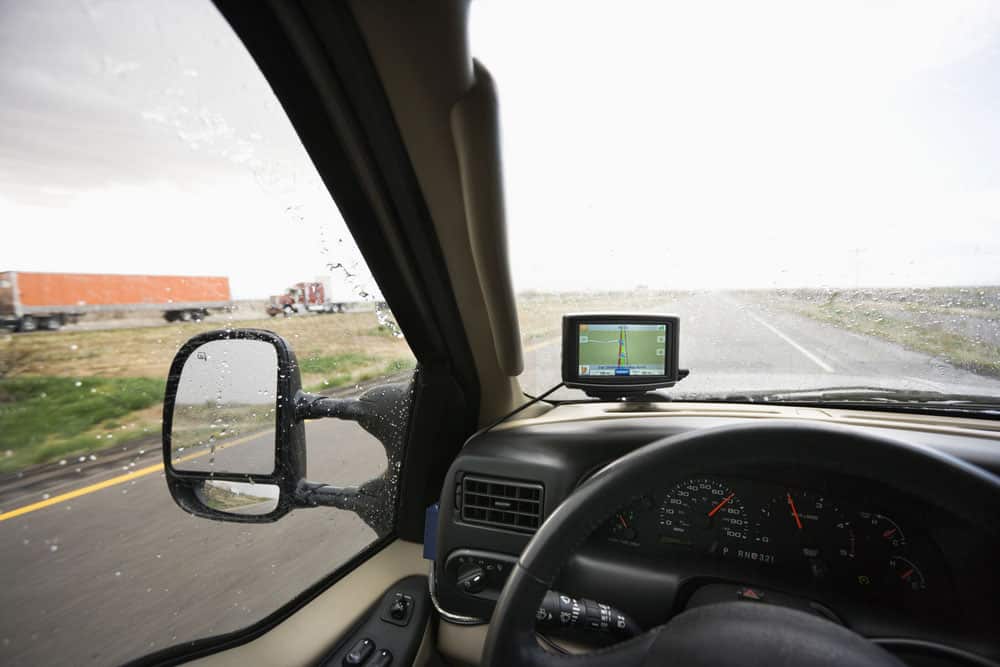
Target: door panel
[(307, 636)]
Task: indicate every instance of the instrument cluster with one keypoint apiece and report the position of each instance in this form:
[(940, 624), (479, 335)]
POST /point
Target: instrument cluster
[(799, 531)]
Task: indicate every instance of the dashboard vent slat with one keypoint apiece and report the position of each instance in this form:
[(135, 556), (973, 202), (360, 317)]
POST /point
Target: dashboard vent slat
[(502, 503)]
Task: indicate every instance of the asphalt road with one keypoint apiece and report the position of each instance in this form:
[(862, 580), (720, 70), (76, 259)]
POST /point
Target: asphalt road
[(119, 570)]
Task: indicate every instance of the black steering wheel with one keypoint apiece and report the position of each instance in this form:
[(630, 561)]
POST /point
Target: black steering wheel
[(731, 633)]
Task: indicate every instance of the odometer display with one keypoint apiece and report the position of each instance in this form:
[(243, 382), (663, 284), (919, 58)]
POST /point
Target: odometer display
[(704, 514)]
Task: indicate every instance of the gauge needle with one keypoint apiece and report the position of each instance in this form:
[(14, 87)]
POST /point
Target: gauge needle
[(906, 575), (622, 520), (795, 514), (722, 503)]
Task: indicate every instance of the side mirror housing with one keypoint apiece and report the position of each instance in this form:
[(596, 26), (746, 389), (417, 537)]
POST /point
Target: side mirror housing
[(232, 446), (234, 441)]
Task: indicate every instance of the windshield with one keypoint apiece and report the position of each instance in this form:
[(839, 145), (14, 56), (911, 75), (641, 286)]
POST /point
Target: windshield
[(813, 191)]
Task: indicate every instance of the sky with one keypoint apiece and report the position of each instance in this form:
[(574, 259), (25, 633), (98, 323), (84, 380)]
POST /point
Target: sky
[(667, 144)]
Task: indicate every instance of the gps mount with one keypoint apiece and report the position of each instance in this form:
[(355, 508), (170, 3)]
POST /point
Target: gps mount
[(631, 393)]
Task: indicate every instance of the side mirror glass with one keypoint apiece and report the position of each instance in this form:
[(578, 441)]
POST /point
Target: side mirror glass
[(226, 399), (242, 498), (232, 446)]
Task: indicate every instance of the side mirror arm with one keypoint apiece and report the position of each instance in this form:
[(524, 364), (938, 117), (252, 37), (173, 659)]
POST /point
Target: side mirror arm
[(378, 411), (315, 406), (381, 411), (367, 500)]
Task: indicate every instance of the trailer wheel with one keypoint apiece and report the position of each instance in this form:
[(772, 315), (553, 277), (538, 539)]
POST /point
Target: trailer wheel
[(197, 315), (27, 323), (53, 323)]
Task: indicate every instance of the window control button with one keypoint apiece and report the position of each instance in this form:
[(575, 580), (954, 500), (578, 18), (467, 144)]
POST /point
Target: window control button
[(399, 607), (360, 652), (383, 659), (398, 610)]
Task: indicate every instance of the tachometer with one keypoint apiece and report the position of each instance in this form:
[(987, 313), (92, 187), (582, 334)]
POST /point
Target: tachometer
[(810, 530), (703, 513)]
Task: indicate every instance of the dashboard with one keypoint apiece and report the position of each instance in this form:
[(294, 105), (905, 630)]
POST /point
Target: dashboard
[(847, 545)]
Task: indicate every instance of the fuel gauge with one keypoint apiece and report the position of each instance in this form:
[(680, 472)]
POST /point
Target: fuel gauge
[(882, 530)]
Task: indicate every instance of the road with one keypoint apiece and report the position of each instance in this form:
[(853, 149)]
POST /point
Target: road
[(734, 346), (118, 570)]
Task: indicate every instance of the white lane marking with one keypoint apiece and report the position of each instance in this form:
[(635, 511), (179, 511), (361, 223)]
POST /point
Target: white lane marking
[(809, 355)]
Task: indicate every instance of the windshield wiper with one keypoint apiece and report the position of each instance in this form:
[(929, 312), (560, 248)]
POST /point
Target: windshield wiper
[(870, 396)]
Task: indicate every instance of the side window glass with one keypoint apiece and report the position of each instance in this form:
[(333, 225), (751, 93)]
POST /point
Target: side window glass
[(151, 189)]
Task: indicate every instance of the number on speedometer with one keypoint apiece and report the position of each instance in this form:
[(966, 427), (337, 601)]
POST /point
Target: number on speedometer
[(702, 513)]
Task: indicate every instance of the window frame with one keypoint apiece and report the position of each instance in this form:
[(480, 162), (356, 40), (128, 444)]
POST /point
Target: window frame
[(315, 60)]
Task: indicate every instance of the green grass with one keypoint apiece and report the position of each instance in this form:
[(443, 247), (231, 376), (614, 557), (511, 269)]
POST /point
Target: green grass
[(337, 363), (888, 320), (338, 370), (44, 418), (342, 370)]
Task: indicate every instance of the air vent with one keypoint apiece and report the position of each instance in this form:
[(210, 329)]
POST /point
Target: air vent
[(501, 503)]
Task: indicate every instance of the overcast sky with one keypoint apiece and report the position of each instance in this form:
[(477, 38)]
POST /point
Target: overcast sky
[(668, 144)]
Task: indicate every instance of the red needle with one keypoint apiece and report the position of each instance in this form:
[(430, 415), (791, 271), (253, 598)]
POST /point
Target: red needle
[(795, 514), (721, 504), (906, 575), (622, 520)]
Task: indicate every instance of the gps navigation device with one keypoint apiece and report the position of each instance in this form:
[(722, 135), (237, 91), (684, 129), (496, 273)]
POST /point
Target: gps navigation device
[(615, 355)]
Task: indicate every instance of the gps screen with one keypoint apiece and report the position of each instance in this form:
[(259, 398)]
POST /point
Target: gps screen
[(622, 349)]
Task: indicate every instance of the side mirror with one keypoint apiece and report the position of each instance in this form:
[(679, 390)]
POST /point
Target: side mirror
[(234, 443)]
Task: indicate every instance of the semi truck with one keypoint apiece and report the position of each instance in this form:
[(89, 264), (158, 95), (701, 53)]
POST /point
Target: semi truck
[(31, 300), (306, 297)]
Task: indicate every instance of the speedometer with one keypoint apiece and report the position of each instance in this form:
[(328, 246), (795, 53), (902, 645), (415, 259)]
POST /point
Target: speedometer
[(704, 514)]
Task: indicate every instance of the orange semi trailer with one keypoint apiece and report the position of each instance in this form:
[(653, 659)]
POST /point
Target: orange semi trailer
[(30, 301)]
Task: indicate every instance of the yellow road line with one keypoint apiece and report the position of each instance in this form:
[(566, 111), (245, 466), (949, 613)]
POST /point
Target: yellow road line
[(54, 500), (114, 481)]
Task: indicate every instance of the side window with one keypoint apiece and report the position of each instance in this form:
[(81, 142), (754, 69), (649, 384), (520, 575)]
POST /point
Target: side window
[(152, 188)]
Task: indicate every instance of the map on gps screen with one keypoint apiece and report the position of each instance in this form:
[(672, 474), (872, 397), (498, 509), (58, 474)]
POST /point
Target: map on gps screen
[(622, 349)]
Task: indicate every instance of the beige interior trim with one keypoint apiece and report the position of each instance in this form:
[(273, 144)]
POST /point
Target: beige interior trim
[(475, 124), (421, 53), (308, 634), (979, 428), (461, 645)]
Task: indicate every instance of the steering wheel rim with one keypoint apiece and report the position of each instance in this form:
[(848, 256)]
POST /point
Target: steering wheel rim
[(960, 488)]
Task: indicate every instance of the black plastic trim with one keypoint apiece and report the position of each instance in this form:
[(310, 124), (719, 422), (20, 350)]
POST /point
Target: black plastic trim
[(401, 638)]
